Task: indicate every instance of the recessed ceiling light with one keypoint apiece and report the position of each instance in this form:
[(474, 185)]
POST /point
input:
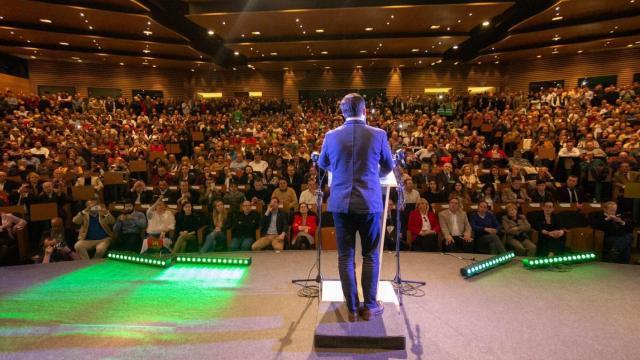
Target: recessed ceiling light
[(392, 16), (224, 23), (579, 51), (255, 33), (388, 23), (433, 27), (121, 63), (82, 14), (611, 32), (327, 67), (459, 21), (456, 63), (419, 61), (242, 35), (539, 56), (33, 57), (497, 62), (455, 47), (479, 62), (319, 30), (236, 53), (368, 29), (358, 66), (470, 14), (630, 45), (415, 50), (285, 68), (303, 32), (64, 43), (273, 53), (557, 8), (556, 38), (297, 20), (75, 57), (46, 21), (401, 65), (11, 33), (324, 52), (79, 60), (153, 66), (210, 32), (485, 23), (146, 51), (556, 18), (363, 51), (192, 70), (147, 32), (29, 41), (86, 21)]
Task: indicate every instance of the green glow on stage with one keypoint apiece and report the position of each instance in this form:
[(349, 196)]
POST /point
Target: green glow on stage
[(116, 301)]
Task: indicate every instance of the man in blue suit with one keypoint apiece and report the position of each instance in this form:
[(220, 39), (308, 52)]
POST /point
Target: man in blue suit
[(357, 155)]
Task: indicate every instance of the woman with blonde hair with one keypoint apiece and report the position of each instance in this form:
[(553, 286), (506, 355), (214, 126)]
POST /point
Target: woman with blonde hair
[(517, 229), (423, 224), (220, 222)]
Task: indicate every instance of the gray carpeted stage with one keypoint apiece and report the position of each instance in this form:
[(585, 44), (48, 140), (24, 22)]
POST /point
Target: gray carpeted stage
[(134, 311)]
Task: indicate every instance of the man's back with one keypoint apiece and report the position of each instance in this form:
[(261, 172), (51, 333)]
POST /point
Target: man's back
[(356, 155)]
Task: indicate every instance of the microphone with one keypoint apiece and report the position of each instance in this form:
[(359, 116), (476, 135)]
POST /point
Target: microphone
[(315, 156)]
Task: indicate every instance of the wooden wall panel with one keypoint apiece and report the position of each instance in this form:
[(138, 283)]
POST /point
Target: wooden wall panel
[(85, 75), (457, 77), (228, 82), (623, 63), (15, 83)]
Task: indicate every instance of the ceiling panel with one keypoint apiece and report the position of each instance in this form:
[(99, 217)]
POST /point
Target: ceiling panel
[(381, 20), (70, 56), (349, 48), (604, 28), (559, 50), (344, 64), (97, 44), (25, 11), (571, 10)]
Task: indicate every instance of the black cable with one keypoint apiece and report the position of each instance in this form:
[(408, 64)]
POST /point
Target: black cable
[(309, 291), (407, 289), (460, 257)]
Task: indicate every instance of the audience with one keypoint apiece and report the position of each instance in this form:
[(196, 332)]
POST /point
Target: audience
[(485, 229), (304, 227), (424, 226), (456, 228), (54, 142), (516, 229)]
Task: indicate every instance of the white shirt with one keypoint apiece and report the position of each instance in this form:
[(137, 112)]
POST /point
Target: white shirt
[(426, 225), (411, 197), (455, 227), (307, 197), (160, 223), (260, 166)]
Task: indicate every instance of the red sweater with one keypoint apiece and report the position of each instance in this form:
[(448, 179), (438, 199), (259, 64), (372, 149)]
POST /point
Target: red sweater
[(312, 223), (415, 222)]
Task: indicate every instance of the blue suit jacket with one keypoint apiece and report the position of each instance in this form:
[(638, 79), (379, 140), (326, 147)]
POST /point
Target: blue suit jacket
[(357, 155)]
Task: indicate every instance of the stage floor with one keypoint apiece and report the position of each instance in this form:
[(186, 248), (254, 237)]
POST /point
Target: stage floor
[(109, 309)]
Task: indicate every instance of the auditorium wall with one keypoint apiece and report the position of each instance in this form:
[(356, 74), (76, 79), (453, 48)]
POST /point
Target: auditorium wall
[(230, 82), (15, 83), (172, 82), (623, 63)]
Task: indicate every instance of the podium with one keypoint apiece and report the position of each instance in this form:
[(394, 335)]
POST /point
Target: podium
[(384, 332)]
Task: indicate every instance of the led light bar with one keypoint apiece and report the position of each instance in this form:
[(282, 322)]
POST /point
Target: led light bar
[(139, 259), (197, 259), (557, 260), (484, 265)]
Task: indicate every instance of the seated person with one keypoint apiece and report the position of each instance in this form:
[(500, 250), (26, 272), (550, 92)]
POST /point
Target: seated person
[(273, 226), (468, 178), (308, 196), (96, 230), (485, 228), (243, 228), (233, 198), (160, 222), (456, 229), (516, 193), (139, 194), (55, 251), (286, 196), (435, 194), (92, 179), (423, 224), (617, 234), (128, 228), (220, 221), (517, 229), (462, 193), (163, 191), (304, 225), (493, 177), (259, 192), (187, 224), (570, 193), (552, 236), (9, 226), (488, 194), (541, 193), (185, 194)]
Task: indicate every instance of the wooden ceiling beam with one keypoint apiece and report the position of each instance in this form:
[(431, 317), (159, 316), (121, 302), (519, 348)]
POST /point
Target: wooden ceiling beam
[(366, 36)]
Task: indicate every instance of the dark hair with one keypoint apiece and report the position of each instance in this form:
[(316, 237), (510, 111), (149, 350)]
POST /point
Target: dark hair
[(352, 105)]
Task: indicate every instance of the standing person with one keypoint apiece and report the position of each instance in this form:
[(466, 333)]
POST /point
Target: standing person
[(357, 155)]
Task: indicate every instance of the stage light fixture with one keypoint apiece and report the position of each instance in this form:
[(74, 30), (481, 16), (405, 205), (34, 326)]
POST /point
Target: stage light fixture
[(558, 260), (203, 259), (484, 265), (164, 261)]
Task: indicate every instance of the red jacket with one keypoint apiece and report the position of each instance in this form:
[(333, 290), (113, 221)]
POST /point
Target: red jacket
[(312, 223), (415, 222)]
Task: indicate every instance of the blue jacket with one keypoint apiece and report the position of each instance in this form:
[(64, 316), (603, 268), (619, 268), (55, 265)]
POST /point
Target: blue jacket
[(357, 155)]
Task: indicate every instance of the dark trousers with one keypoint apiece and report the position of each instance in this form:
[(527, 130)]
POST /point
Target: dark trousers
[(547, 244), (618, 248), (425, 243), (458, 245), (368, 225), (129, 242)]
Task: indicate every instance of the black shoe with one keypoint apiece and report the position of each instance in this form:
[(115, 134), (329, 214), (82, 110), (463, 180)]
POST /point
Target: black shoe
[(368, 314)]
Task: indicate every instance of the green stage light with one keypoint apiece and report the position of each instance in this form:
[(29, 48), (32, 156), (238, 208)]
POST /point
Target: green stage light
[(140, 259), (557, 260), (203, 259), (484, 265)]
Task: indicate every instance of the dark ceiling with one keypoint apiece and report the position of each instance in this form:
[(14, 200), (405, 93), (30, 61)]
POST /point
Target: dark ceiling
[(278, 34)]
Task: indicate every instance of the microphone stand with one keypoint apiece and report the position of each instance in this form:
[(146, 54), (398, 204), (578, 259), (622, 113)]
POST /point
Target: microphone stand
[(398, 282), (318, 242)]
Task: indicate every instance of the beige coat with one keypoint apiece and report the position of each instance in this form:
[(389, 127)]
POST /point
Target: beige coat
[(445, 218), (82, 219)]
